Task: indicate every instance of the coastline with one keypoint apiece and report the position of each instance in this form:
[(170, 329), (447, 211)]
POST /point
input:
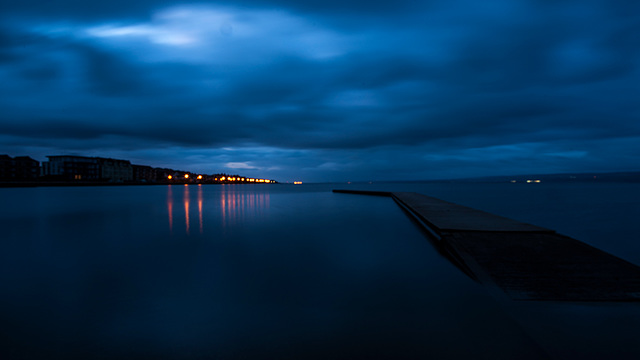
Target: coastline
[(33, 184)]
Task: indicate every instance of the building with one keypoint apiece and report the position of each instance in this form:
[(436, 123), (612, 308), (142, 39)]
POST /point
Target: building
[(26, 168), (19, 168), (6, 167), (165, 175), (69, 167), (115, 170), (144, 173)]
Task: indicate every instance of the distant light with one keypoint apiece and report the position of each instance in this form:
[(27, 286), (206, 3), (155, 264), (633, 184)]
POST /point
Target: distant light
[(297, 182), (186, 176), (536, 181), (199, 177), (169, 177), (513, 181), (222, 178)]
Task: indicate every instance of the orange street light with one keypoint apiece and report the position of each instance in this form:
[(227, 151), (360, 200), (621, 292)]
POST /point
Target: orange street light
[(169, 177)]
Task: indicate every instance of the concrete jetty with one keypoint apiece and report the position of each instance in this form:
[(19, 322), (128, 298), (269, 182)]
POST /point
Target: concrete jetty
[(527, 262)]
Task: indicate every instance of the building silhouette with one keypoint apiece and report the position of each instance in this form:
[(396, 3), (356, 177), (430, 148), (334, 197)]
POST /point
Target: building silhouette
[(71, 167), (145, 173), (20, 168), (115, 170)]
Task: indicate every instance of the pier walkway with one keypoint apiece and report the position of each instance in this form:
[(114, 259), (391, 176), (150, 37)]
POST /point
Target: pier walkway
[(527, 262)]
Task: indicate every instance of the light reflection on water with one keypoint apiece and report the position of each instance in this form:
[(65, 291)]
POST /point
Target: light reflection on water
[(232, 206), (170, 207), (200, 208), (186, 207), (236, 205)]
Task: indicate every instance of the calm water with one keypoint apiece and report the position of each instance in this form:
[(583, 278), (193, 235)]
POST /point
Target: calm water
[(280, 271)]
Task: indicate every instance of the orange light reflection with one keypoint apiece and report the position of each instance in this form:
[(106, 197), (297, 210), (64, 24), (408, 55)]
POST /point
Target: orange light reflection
[(200, 208), (170, 208), (186, 207), (238, 206)]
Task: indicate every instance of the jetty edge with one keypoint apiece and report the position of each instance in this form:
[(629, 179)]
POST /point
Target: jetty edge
[(525, 261)]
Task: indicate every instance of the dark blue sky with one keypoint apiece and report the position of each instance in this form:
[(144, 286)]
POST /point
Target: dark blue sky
[(326, 90)]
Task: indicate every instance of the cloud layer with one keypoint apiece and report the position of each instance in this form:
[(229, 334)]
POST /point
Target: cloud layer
[(326, 91)]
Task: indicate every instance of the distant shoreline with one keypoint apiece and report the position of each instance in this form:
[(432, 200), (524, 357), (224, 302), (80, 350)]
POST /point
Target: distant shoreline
[(33, 184), (620, 177)]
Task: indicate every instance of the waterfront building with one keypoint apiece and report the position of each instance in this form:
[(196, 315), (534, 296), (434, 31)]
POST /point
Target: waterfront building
[(18, 168), (6, 167), (26, 168), (166, 175), (144, 173), (70, 167), (115, 170)]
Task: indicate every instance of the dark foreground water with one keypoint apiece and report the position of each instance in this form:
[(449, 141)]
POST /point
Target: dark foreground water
[(283, 271)]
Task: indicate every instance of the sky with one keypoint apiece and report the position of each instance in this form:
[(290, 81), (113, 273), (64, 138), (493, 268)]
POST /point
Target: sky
[(328, 90)]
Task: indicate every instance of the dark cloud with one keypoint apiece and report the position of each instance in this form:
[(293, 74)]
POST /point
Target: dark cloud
[(109, 75), (141, 8), (327, 89)]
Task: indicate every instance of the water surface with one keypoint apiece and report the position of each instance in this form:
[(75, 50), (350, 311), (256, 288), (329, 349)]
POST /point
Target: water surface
[(281, 271)]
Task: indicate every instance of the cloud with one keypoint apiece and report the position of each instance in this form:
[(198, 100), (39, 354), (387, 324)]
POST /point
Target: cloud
[(215, 35), (322, 88), (240, 165), (102, 9)]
